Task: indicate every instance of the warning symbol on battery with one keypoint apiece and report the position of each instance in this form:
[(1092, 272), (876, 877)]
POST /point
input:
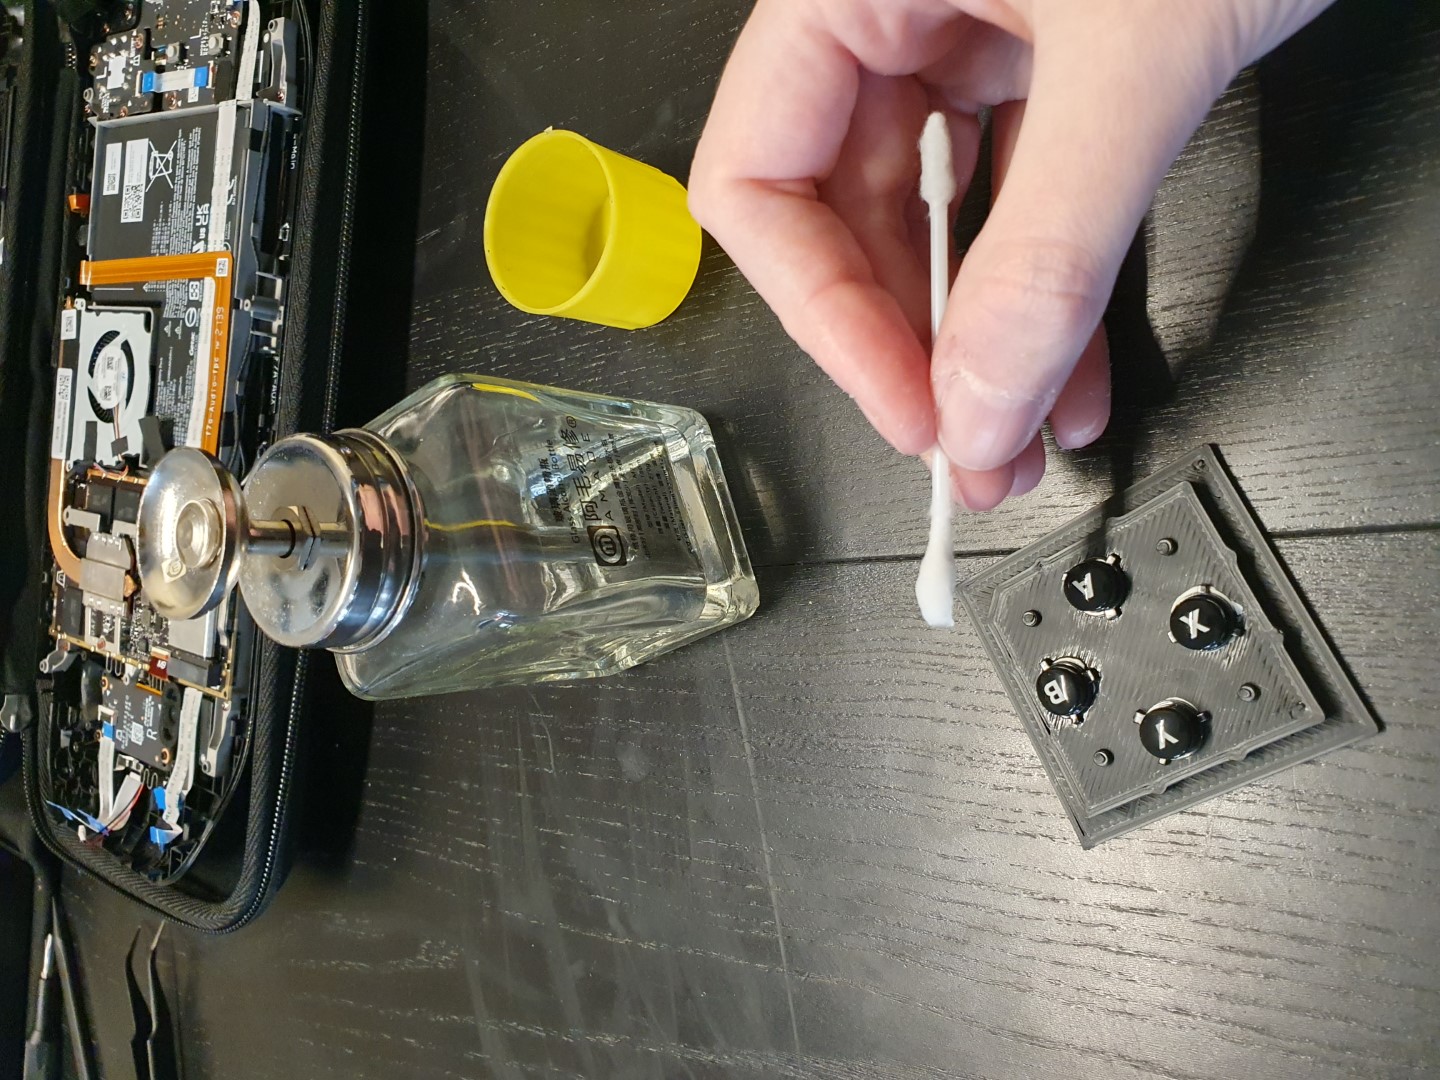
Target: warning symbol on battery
[(608, 545)]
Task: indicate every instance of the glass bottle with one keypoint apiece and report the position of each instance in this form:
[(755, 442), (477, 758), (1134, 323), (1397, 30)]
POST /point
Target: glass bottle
[(481, 532)]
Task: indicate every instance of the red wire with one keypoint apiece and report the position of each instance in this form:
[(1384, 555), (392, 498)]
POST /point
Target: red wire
[(110, 824)]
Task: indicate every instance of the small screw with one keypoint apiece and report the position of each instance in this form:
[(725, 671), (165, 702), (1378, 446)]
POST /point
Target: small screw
[(1031, 618), (1167, 546), (1298, 709), (1249, 692), (1103, 758)]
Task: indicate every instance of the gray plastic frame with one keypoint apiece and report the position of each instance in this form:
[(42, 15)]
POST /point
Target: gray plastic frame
[(1306, 703)]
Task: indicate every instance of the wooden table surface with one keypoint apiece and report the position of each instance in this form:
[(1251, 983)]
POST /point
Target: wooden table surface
[(819, 845)]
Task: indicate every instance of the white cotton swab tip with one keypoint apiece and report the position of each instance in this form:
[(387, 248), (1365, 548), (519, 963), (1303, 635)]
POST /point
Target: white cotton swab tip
[(937, 165), (935, 585)]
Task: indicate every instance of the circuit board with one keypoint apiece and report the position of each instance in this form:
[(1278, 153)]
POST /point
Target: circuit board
[(169, 336)]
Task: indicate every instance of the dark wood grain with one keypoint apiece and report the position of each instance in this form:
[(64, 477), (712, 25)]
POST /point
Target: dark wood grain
[(1282, 304), (820, 845)]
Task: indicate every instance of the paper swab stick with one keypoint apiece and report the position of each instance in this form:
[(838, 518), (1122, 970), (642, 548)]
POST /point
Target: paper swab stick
[(935, 585)]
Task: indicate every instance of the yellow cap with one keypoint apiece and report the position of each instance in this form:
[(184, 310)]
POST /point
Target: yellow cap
[(577, 230)]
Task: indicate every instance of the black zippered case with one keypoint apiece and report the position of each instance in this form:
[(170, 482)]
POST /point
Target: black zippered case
[(245, 860)]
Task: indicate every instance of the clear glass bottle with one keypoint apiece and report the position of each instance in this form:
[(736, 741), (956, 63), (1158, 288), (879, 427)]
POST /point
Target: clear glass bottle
[(481, 532)]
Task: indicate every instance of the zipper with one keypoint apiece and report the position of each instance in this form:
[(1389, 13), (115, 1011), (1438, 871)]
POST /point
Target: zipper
[(277, 820), (327, 418), (347, 230)]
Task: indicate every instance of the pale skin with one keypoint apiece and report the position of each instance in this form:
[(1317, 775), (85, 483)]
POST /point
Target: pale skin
[(807, 175)]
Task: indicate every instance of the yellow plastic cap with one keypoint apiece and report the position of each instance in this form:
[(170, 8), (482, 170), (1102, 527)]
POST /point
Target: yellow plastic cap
[(576, 230)]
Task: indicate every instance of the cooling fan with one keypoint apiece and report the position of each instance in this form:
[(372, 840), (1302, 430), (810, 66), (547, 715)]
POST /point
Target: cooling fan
[(112, 385)]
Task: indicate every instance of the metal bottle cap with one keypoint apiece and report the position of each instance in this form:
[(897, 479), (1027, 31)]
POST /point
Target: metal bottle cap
[(191, 520), (322, 541)]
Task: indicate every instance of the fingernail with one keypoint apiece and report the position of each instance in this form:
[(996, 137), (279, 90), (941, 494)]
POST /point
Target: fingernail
[(1025, 482), (981, 432), (1069, 438)]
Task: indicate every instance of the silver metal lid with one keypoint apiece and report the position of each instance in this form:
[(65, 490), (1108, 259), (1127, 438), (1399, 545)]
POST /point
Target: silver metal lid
[(329, 596), (321, 542), (190, 527)]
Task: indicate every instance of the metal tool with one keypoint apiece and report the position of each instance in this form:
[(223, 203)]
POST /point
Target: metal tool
[(42, 1061), (74, 1025), (153, 1043)]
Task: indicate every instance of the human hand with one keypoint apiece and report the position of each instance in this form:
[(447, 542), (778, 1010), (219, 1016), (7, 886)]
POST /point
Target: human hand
[(807, 175)]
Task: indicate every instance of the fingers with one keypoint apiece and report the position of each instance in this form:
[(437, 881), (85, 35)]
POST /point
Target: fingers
[(777, 129), (1083, 408), (1111, 105), (1029, 468), (987, 66), (981, 491), (872, 188), (1078, 419)]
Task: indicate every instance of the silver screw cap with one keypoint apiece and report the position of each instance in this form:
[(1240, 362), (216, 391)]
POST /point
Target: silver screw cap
[(349, 505), (192, 519), (321, 542)]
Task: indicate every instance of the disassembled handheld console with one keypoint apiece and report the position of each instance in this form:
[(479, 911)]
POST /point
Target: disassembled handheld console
[(170, 336)]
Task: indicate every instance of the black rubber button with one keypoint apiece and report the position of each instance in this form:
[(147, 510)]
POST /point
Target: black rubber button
[(1066, 688), (1095, 585), (1172, 730), (1203, 621)]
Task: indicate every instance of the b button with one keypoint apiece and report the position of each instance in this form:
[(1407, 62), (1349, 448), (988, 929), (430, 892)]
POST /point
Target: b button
[(1066, 688)]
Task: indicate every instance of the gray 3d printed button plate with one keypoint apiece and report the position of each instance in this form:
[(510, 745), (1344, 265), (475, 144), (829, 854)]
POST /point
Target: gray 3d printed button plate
[(1274, 694)]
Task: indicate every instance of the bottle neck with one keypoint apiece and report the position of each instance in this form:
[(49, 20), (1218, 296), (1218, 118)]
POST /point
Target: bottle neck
[(391, 547)]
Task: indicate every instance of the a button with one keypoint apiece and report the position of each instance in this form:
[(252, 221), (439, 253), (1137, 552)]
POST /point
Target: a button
[(1066, 688), (1171, 729), (1203, 621), (1095, 585)]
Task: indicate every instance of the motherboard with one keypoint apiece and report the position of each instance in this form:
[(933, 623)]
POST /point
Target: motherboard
[(181, 211)]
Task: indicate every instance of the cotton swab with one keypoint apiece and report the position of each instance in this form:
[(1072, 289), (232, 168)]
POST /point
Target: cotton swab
[(935, 585)]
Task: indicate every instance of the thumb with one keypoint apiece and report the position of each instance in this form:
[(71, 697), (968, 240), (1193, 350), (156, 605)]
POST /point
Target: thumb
[(1106, 117)]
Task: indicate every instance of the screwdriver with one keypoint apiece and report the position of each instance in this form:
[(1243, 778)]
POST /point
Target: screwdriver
[(42, 1059)]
